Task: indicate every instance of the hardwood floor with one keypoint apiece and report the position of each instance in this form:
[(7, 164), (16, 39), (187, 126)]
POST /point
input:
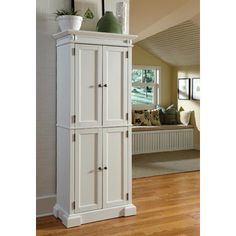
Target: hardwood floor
[(167, 205)]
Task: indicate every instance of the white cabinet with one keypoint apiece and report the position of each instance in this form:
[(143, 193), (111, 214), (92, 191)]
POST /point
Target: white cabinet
[(115, 61), (93, 127), (88, 78), (115, 161), (101, 85), (101, 168), (88, 166)]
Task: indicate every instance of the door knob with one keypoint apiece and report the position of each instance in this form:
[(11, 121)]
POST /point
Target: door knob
[(99, 85), (99, 168), (105, 168), (105, 85)]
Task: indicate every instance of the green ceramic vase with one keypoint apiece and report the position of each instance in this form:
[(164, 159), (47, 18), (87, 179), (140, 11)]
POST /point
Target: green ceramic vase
[(109, 23)]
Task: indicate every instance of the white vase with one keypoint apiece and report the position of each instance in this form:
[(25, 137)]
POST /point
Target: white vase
[(122, 14), (68, 22)]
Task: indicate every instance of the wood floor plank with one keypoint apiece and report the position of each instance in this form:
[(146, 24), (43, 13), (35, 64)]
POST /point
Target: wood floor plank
[(167, 205)]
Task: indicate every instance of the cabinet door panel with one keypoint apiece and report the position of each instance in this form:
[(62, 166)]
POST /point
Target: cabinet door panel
[(88, 75), (88, 179), (115, 159), (115, 94)]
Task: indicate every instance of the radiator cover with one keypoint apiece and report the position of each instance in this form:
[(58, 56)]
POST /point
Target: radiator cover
[(161, 141)]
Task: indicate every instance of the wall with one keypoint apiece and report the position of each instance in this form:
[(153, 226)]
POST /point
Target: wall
[(46, 103), (188, 72), (142, 57)]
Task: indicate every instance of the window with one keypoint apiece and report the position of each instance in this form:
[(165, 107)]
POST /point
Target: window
[(145, 86)]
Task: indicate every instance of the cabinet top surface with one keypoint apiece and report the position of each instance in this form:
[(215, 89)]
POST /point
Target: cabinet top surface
[(95, 34)]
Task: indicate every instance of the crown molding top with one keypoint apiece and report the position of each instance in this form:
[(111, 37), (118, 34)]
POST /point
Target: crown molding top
[(102, 35)]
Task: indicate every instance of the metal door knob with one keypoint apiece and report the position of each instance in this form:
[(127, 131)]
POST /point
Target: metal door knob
[(99, 85), (99, 168), (105, 168), (105, 85)]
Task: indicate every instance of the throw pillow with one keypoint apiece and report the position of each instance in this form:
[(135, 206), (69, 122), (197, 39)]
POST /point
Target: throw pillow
[(138, 117), (133, 111), (155, 117), (178, 117), (161, 114), (185, 117), (147, 119), (171, 115)]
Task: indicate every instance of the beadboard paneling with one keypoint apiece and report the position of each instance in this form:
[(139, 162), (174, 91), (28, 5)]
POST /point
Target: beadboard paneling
[(178, 45), (161, 141)]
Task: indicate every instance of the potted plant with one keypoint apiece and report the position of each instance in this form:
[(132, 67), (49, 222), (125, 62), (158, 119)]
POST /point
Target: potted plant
[(69, 19)]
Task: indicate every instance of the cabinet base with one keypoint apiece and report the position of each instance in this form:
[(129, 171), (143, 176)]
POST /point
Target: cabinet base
[(73, 220)]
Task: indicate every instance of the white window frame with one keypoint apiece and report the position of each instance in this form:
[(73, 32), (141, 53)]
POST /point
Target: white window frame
[(156, 88)]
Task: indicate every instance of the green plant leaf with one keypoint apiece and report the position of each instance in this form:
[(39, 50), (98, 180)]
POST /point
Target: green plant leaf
[(63, 12)]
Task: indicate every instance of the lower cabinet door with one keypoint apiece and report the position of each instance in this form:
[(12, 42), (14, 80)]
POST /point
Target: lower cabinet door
[(88, 170), (115, 144)]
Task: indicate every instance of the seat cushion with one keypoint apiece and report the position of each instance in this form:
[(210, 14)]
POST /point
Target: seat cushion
[(161, 127)]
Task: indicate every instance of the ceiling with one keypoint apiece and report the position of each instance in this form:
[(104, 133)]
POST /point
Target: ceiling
[(168, 29), (178, 45), (144, 13)]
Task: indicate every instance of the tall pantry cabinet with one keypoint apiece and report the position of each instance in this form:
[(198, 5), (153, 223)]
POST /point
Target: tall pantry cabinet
[(94, 170)]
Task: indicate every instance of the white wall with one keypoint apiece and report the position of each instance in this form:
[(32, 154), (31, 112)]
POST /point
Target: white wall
[(46, 102)]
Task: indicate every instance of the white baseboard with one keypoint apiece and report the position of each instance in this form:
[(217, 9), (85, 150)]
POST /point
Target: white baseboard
[(197, 146), (44, 205)]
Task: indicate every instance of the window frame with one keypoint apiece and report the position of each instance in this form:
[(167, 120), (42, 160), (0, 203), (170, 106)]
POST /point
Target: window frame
[(156, 88)]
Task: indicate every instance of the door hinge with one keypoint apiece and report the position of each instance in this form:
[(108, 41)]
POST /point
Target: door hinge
[(127, 116), (127, 133), (73, 137), (73, 205), (73, 118), (127, 196), (127, 54), (73, 51)]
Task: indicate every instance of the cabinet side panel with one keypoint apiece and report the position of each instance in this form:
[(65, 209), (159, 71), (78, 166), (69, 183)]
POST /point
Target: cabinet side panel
[(129, 164), (65, 169), (65, 85), (129, 83)]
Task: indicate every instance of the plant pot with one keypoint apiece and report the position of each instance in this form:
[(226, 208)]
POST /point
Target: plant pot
[(69, 22)]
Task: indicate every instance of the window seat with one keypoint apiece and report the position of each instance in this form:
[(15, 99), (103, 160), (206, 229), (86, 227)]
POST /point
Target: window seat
[(149, 139), (161, 127)]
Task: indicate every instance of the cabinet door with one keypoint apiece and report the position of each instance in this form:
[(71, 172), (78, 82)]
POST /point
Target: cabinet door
[(114, 166), (115, 73), (88, 177), (88, 77)]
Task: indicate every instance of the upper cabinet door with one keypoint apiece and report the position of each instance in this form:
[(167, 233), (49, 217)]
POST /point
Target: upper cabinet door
[(115, 65), (88, 85)]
